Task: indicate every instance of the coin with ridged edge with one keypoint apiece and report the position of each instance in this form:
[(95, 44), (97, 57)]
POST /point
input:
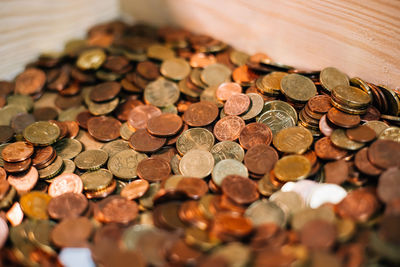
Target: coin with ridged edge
[(42, 133)]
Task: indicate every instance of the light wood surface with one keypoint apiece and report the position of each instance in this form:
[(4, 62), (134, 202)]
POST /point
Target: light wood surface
[(28, 27), (360, 37)]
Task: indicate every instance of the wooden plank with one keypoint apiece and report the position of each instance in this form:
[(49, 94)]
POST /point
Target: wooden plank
[(362, 38), (30, 27)]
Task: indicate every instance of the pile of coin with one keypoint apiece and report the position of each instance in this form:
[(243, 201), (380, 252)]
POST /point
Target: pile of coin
[(161, 147)]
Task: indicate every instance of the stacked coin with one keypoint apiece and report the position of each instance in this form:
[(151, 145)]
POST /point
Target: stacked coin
[(314, 110)]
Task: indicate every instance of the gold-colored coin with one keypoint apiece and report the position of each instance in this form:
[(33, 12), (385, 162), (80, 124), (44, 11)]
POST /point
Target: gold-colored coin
[(52, 170), (175, 164), (71, 113), (360, 83), (293, 140), (391, 133), (270, 84), (239, 58), (124, 164), (160, 52), (292, 168), (161, 93), (227, 167), (8, 112), (195, 138), (340, 139), (331, 77), (351, 96), (280, 105), (343, 107), (215, 74), (264, 211), (298, 88), (186, 90), (96, 180), (276, 120), (227, 150), (24, 101), (42, 133), (91, 59), (115, 146), (377, 126), (91, 159), (196, 163), (175, 68), (125, 131), (265, 186), (68, 148), (195, 77), (34, 204), (69, 166)]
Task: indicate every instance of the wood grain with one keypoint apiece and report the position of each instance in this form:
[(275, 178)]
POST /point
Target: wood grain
[(28, 28), (362, 38)]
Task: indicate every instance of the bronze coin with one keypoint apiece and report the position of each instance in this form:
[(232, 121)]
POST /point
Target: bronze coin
[(3, 174), (389, 185), (181, 253), (45, 113), (17, 151), (83, 118), (135, 189), (105, 91), (20, 121), (72, 232), (123, 109), (318, 234), (384, 153), (153, 169), (63, 128), (142, 141), (342, 119), (364, 165), (148, 70), (140, 115), (29, 82), (118, 210), (24, 181), (237, 104), (325, 149), (42, 155), (65, 102), (228, 89), (166, 124), (6, 134), (73, 128), (68, 205), (372, 114), (319, 104), (172, 139), (20, 166), (260, 159), (229, 128), (231, 224), (255, 133), (117, 64), (195, 188), (336, 172), (201, 113), (362, 133), (241, 190), (104, 128)]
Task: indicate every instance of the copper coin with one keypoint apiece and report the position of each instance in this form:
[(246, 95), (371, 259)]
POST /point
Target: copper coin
[(72, 232), (104, 128), (142, 141), (201, 60), (342, 119), (65, 183), (20, 166), (226, 90), (6, 87), (102, 193), (201, 113), (118, 209), (166, 124), (29, 82), (172, 139), (384, 153), (318, 234), (139, 116), (17, 151), (148, 70), (6, 134), (325, 127), (3, 174), (73, 128), (336, 172), (24, 182), (68, 205), (241, 190), (65, 102), (153, 169), (123, 109), (320, 104), (63, 128), (181, 253), (237, 104), (229, 128), (228, 223), (45, 113), (44, 164), (135, 189), (83, 118), (364, 165), (195, 188), (116, 64), (105, 91), (325, 149), (362, 133), (372, 114), (244, 75), (255, 133), (167, 153), (4, 188), (42, 155), (389, 185), (260, 159)]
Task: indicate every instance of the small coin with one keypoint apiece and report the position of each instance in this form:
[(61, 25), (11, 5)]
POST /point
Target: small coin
[(72, 232), (364, 165), (292, 168), (227, 150), (96, 180), (103, 108), (52, 170), (45, 113), (91, 59), (293, 140), (105, 91), (148, 70), (319, 104), (140, 115), (201, 114), (298, 87), (193, 187), (325, 127), (143, 141), (361, 133), (215, 74), (227, 167), (325, 149), (69, 166), (117, 209), (135, 189), (65, 183), (115, 146), (164, 125), (276, 120), (104, 128), (384, 153), (237, 104), (17, 151), (161, 93), (227, 89), (24, 182), (91, 159), (34, 204), (68, 148), (228, 128), (270, 84), (388, 185), (202, 60), (124, 164), (42, 133), (175, 68), (196, 163), (336, 172), (343, 119), (340, 139), (260, 159), (331, 77), (68, 205), (195, 138), (160, 52), (241, 190), (29, 82), (351, 96), (153, 169)]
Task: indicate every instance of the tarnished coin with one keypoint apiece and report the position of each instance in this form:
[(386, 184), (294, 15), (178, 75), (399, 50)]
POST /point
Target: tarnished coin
[(105, 91), (361, 133), (201, 113), (96, 180), (228, 128), (148, 70), (91, 59), (153, 169), (164, 125), (34, 204), (276, 120), (6, 134), (298, 87), (175, 68), (196, 163), (104, 128), (161, 93), (351, 96), (260, 159), (227, 150), (42, 133), (227, 167), (91, 159), (292, 168), (142, 141), (65, 183), (237, 104), (293, 140), (331, 77), (17, 151), (31, 81), (384, 153), (195, 138), (68, 148), (340, 139), (215, 74), (124, 164)]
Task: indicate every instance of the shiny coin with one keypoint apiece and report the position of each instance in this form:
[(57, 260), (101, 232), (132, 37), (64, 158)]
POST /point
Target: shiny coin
[(280, 105), (361, 133), (124, 164), (135, 189), (104, 128), (201, 114), (331, 77), (196, 163), (91, 159), (24, 182), (227, 150), (342, 119), (164, 125), (139, 116), (270, 84), (377, 126), (351, 96), (17, 151), (65, 183), (52, 170), (256, 106), (391, 133), (91, 59), (292, 168), (293, 140), (143, 141), (228, 128), (115, 146), (42, 133), (237, 104), (195, 138), (276, 120), (34, 204), (226, 90)]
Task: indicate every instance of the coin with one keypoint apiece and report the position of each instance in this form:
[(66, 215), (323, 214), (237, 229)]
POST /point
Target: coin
[(388, 188), (276, 120), (67, 205), (293, 140), (201, 113), (116, 209), (29, 82), (195, 138), (297, 87), (65, 183), (318, 234), (135, 189), (17, 151), (227, 167), (91, 59), (42, 133), (228, 128), (24, 182), (215, 74), (6, 134), (292, 168), (103, 108), (91, 159), (105, 91), (340, 139), (164, 125), (124, 164), (331, 77), (14, 167), (148, 70), (68, 148), (225, 90), (351, 96), (201, 60), (175, 68), (377, 126), (279, 105), (364, 165), (153, 169), (361, 133), (227, 150), (72, 232), (270, 84), (240, 189), (104, 128), (325, 149), (160, 52), (263, 212), (384, 153), (196, 163), (34, 204), (161, 93), (237, 104), (193, 187), (390, 133), (260, 159), (51, 170), (142, 141), (139, 116), (342, 119), (96, 180), (319, 104)]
